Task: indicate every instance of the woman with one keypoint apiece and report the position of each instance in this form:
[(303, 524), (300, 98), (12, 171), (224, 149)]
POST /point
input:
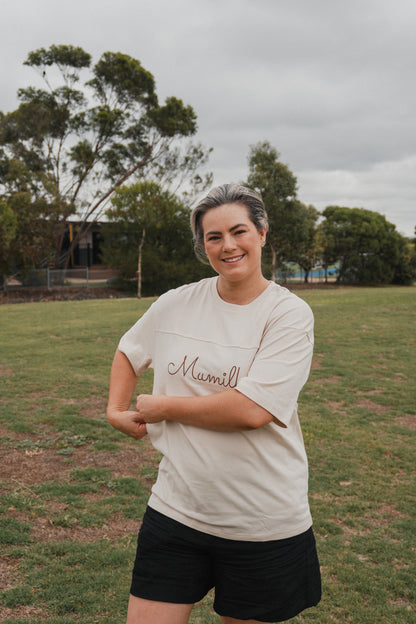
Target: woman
[(229, 508)]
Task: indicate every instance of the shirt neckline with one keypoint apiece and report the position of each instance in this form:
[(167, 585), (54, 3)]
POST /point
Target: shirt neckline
[(237, 306)]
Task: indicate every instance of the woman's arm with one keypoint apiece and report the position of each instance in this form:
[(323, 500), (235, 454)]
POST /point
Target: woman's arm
[(226, 411), (123, 382)]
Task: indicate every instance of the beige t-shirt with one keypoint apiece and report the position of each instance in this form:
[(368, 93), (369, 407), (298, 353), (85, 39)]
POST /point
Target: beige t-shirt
[(250, 485)]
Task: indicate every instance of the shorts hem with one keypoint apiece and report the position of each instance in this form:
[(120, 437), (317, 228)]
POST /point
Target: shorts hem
[(168, 597), (281, 616)]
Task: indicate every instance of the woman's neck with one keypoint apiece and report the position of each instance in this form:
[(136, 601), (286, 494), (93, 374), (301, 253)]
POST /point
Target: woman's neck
[(241, 293)]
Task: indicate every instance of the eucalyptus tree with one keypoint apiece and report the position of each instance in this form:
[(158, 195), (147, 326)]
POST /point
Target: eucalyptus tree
[(278, 187), (89, 129)]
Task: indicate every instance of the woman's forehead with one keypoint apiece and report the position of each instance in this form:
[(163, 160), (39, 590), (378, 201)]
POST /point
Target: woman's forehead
[(225, 214)]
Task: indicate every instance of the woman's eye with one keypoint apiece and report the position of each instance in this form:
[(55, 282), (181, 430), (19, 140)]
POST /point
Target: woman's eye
[(240, 231)]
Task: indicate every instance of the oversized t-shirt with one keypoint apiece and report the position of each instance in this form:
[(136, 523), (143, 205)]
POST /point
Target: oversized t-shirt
[(249, 485)]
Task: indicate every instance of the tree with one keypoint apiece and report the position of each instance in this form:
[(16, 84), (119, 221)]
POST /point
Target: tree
[(368, 247), (8, 229), (80, 144), (34, 220), (148, 236), (405, 269), (307, 248), (143, 204), (278, 186)]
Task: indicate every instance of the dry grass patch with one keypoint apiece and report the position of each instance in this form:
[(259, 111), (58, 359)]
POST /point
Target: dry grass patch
[(408, 421), (27, 467), (370, 406), (24, 612)]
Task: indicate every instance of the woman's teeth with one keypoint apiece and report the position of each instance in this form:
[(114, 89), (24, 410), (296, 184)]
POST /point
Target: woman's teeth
[(233, 259)]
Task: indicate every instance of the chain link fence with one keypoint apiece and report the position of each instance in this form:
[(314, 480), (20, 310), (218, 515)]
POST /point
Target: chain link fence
[(54, 278)]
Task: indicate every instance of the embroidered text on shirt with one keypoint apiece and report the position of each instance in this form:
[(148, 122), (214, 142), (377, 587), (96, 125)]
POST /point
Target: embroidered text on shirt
[(228, 380)]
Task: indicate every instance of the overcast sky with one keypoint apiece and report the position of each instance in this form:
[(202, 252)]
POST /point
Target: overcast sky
[(330, 84)]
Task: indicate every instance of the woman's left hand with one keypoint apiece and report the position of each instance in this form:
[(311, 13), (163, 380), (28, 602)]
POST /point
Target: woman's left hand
[(150, 407)]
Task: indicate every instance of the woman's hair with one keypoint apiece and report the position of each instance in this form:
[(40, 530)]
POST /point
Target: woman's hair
[(226, 194)]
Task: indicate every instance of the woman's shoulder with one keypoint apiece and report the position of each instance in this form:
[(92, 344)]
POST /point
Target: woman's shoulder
[(284, 303), (185, 293)]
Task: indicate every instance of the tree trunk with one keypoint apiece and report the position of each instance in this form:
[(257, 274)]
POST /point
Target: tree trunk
[(139, 266), (58, 249)]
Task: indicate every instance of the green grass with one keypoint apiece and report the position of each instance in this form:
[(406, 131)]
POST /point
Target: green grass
[(72, 490)]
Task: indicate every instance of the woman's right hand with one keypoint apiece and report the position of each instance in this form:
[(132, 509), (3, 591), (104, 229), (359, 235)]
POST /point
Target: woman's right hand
[(128, 422), (122, 384)]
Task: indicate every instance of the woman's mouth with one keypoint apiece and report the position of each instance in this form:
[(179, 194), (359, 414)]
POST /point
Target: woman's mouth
[(231, 260)]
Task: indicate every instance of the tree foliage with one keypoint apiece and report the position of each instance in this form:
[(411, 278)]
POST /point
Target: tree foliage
[(34, 222), (78, 142), (278, 187), (8, 229), (308, 249), (148, 237), (368, 247)]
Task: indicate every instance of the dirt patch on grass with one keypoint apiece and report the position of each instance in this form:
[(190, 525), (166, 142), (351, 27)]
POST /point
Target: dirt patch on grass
[(24, 612), (33, 295), (408, 421), (124, 463), (384, 514), (8, 577), (20, 467), (28, 467), (113, 529), (96, 407), (33, 463), (369, 405), (316, 364), (326, 380), (336, 406), (348, 530)]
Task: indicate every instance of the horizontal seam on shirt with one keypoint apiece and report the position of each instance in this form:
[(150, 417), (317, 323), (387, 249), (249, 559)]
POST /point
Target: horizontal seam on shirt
[(214, 342)]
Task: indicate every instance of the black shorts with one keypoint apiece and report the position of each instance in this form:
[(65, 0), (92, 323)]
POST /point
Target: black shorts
[(266, 581)]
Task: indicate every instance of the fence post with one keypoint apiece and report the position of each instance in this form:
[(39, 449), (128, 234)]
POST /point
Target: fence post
[(48, 277)]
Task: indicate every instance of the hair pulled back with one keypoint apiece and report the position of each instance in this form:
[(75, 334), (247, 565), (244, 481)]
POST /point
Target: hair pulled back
[(226, 194)]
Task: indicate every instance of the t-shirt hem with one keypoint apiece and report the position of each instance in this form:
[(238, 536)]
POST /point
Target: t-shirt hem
[(232, 533)]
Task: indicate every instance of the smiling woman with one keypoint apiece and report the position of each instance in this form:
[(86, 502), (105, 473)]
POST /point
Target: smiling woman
[(231, 497), (233, 247)]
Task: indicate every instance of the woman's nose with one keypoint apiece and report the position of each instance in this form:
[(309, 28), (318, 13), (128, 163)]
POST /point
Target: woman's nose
[(228, 242)]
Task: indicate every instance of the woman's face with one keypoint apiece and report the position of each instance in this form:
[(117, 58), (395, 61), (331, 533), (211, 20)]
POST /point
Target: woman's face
[(232, 242)]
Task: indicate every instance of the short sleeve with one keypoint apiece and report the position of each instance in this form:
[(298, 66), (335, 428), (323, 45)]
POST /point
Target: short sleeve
[(137, 343), (282, 363)]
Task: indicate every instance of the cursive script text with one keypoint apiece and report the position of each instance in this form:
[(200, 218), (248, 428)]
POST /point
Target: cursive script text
[(228, 379)]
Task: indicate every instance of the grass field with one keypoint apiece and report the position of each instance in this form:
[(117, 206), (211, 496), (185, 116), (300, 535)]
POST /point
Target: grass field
[(72, 490)]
